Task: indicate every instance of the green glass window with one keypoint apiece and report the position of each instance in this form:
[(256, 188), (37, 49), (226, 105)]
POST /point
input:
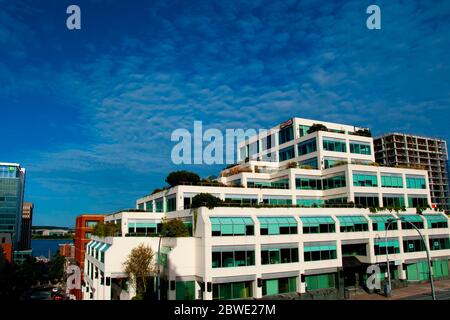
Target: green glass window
[(159, 205), (417, 201), (233, 290), (417, 271), (233, 257), (440, 268), (393, 200), (416, 182), (380, 222), (286, 134), (414, 219), (367, 200), (439, 243), (141, 206), (241, 201), (279, 286), (435, 221), (171, 204), (308, 183), (232, 226), (320, 281), (306, 147), (277, 201), (323, 224), (353, 223), (310, 202), (392, 245), (334, 145), (185, 290), (286, 153), (278, 255), (303, 130), (360, 148), (143, 228), (391, 181), (309, 163), (413, 245), (149, 206), (277, 225), (319, 251), (334, 182), (364, 180)]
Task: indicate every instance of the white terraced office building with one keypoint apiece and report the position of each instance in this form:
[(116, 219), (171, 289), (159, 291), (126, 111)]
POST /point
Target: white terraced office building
[(295, 220)]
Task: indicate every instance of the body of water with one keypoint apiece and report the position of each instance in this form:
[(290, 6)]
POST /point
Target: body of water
[(41, 247)]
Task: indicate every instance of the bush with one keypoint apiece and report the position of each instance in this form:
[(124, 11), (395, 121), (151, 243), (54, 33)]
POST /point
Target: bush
[(316, 127), (109, 229), (205, 200), (174, 228), (176, 178)]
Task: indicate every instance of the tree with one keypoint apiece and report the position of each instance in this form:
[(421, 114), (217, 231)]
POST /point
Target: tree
[(176, 178), (317, 127), (108, 229), (56, 267), (139, 266), (205, 200), (174, 228)]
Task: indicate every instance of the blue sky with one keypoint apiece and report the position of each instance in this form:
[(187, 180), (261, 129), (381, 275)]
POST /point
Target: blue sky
[(89, 113)]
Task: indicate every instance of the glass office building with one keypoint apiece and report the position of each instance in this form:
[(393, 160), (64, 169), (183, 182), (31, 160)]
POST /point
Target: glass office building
[(12, 184)]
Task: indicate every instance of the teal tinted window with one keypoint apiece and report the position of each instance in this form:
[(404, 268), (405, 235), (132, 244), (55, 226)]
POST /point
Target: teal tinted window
[(417, 201), (171, 204), (439, 243), (319, 251), (416, 183), (306, 147), (159, 205), (279, 255), (286, 153), (320, 281), (334, 145), (381, 222), (323, 224), (334, 182), (360, 148), (364, 180), (353, 223), (309, 164), (308, 183), (277, 201), (233, 290), (391, 181), (435, 221), (413, 245), (279, 286), (286, 134), (277, 225), (236, 226), (185, 290), (393, 201), (409, 220), (233, 257), (310, 202), (392, 246)]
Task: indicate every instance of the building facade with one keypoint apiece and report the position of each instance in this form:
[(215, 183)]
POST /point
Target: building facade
[(431, 154), (27, 220), (84, 227), (306, 210), (12, 185), (6, 246)]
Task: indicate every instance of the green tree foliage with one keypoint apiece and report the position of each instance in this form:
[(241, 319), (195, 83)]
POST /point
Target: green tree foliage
[(139, 266), (205, 200), (56, 267), (174, 228), (176, 178), (317, 127), (109, 229)]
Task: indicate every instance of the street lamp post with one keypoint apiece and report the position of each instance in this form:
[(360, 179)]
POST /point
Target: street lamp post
[(430, 271)]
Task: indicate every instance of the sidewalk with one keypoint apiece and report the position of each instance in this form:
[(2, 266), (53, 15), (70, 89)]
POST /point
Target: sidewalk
[(403, 293)]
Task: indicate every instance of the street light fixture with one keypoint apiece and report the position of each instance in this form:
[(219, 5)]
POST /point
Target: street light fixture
[(430, 271)]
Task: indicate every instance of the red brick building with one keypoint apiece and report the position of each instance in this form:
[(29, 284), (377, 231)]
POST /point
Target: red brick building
[(84, 228), (67, 250), (6, 246)]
